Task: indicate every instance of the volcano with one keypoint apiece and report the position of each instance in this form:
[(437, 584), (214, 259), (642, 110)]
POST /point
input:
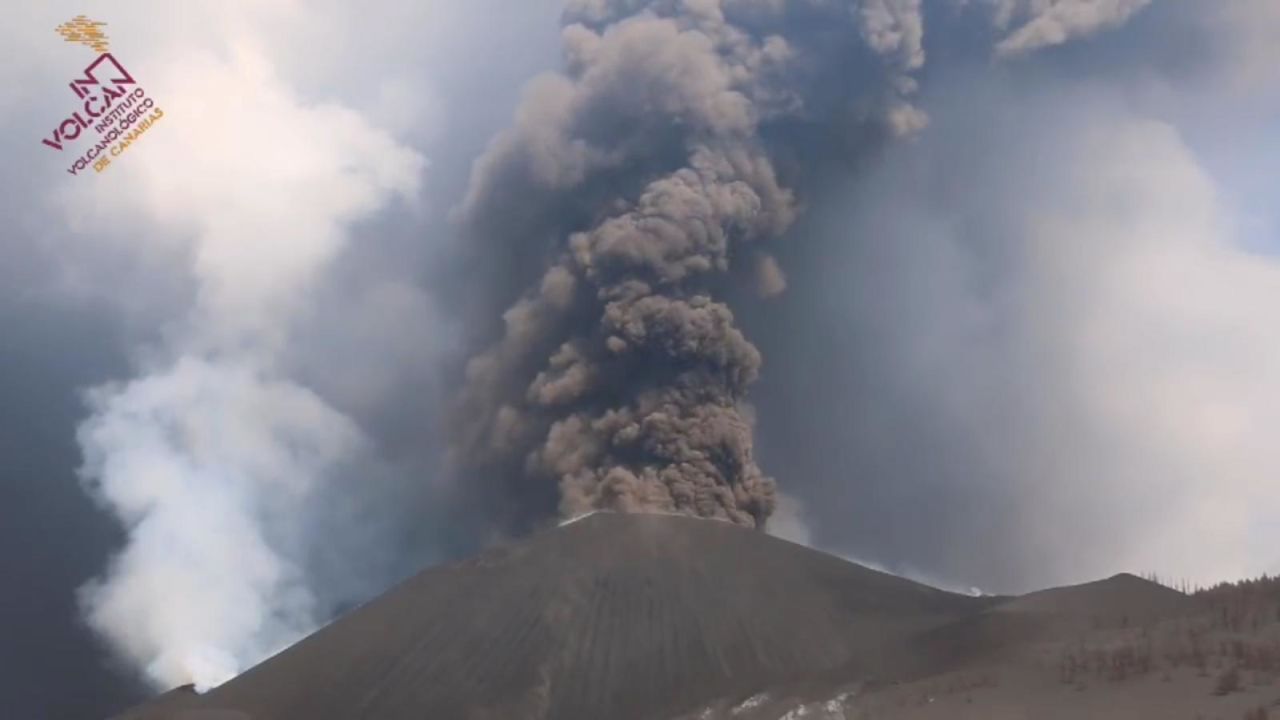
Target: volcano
[(612, 616), (661, 617)]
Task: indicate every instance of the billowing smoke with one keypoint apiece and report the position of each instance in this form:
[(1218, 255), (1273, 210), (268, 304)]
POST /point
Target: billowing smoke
[(620, 378)]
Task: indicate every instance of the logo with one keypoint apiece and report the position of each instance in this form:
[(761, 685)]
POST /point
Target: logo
[(81, 29), (109, 101)]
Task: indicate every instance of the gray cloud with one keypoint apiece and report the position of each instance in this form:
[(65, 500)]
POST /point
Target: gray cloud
[(1030, 345)]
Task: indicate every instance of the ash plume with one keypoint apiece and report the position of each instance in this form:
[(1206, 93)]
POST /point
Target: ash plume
[(619, 380)]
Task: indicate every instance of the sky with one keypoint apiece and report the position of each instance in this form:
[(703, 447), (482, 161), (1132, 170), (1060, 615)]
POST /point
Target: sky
[(1027, 337)]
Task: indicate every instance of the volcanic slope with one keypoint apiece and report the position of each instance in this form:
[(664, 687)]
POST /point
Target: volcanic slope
[(612, 616)]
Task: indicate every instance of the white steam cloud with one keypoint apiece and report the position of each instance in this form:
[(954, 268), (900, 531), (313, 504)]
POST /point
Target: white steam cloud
[(203, 460), (208, 455)]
